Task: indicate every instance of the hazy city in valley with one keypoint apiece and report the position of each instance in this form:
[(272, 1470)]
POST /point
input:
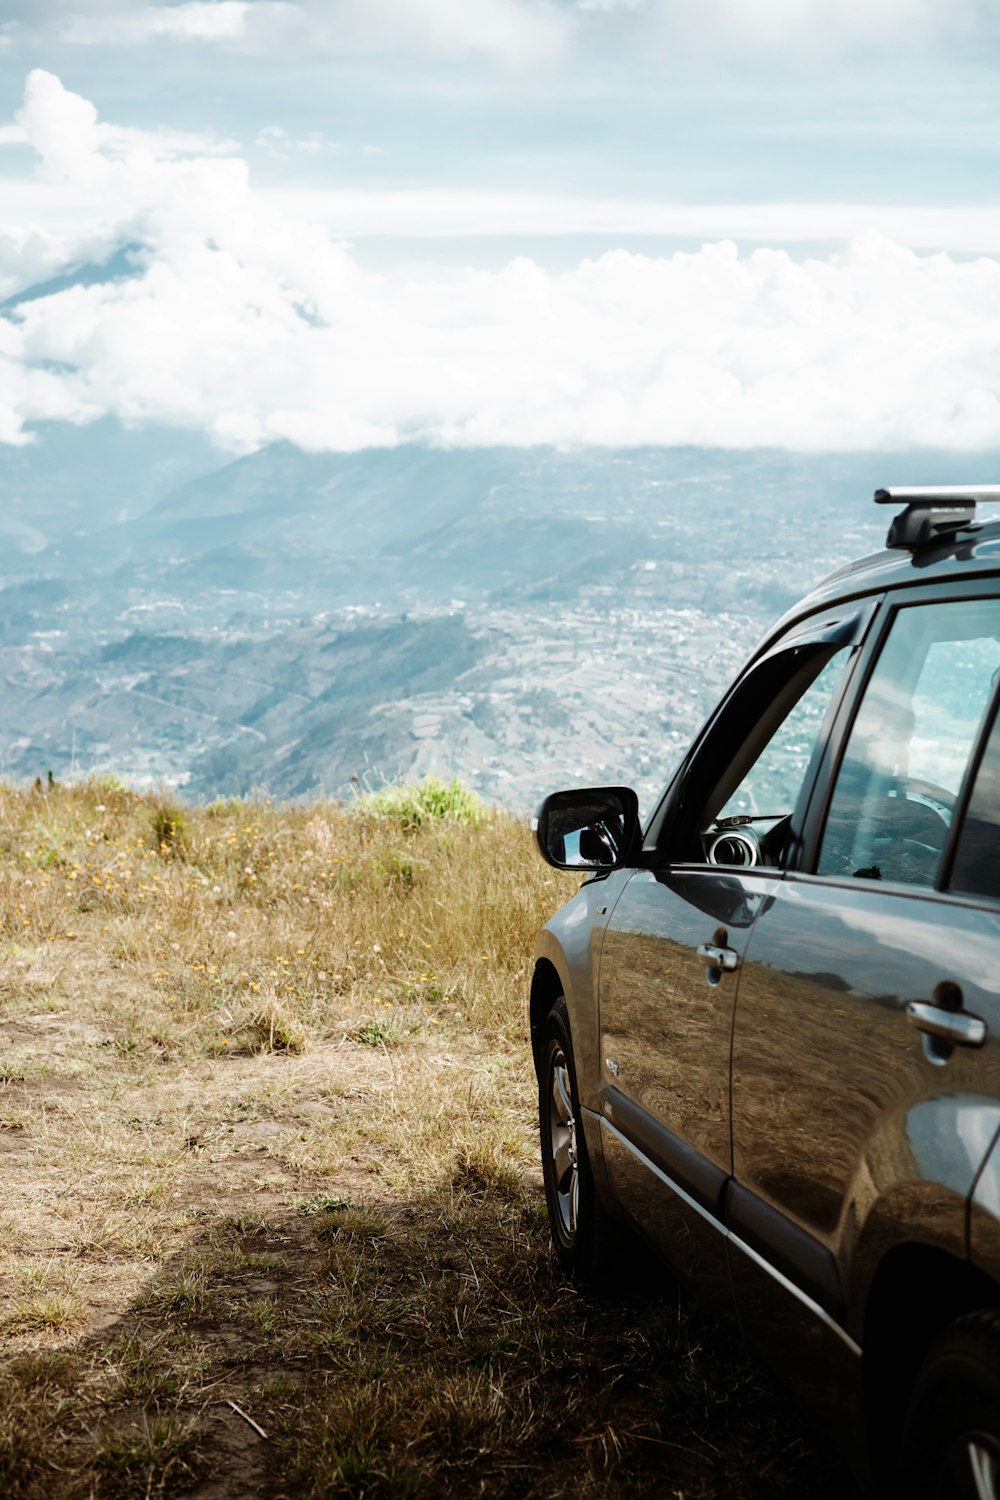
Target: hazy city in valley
[(298, 624)]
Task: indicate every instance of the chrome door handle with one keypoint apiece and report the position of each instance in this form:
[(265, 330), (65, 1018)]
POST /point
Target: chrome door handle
[(955, 1026), (714, 957)]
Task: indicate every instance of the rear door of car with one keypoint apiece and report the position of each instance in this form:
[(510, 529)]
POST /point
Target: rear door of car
[(866, 1041)]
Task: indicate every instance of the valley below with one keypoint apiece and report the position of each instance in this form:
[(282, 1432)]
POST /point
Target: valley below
[(301, 625)]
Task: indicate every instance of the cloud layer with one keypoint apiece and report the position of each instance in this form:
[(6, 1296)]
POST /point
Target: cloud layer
[(517, 32), (252, 328), (796, 26)]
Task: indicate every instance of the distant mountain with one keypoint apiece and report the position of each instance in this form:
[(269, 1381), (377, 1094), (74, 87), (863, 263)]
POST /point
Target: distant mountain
[(421, 527), (123, 265), (290, 620), (72, 480), (360, 490)]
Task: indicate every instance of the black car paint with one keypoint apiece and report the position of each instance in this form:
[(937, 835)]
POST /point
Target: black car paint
[(898, 1160)]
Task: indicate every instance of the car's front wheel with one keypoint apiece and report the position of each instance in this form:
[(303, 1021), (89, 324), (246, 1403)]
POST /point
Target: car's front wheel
[(951, 1438), (582, 1230)]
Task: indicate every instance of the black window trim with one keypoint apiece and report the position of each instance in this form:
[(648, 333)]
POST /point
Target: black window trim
[(946, 868)]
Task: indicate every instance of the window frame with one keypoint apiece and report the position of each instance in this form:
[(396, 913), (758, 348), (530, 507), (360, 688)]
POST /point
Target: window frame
[(732, 724), (911, 596), (972, 769)]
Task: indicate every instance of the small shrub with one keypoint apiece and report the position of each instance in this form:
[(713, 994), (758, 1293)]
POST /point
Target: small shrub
[(170, 834), (416, 804), (351, 1219), (45, 1310), (395, 870), (187, 1292), (45, 1369), (272, 1028), (484, 1171), (377, 1033), (340, 1469), (322, 1204), (263, 1315), (145, 1459), (123, 1044)]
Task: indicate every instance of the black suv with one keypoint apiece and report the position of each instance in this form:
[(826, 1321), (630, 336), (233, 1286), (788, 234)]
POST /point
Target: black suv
[(767, 1028)]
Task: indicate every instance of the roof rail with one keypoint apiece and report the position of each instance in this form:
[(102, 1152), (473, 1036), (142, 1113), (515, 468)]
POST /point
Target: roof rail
[(934, 512)]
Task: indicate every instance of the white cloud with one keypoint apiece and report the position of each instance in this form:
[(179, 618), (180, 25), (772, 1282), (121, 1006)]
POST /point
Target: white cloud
[(193, 21), (123, 170), (39, 391), (252, 325), (779, 27), (767, 32), (62, 126), (277, 143), (120, 140), (442, 212), (611, 5), (517, 32)]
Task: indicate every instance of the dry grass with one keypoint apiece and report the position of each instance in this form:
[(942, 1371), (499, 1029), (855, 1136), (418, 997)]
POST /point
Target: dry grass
[(267, 1127)]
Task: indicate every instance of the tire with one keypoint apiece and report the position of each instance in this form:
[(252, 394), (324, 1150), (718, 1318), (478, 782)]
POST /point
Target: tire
[(584, 1234), (951, 1434)]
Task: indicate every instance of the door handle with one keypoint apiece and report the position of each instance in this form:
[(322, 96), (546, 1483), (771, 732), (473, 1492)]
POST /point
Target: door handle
[(955, 1026), (714, 957)]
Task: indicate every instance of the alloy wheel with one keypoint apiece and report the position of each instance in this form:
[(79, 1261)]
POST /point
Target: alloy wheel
[(562, 1133)]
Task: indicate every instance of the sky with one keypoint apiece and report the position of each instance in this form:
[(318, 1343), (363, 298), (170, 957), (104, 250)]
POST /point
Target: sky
[(351, 223)]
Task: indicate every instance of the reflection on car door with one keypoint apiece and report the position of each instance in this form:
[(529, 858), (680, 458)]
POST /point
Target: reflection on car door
[(666, 1017), (852, 1126), (675, 944), (852, 1130), (838, 1100)]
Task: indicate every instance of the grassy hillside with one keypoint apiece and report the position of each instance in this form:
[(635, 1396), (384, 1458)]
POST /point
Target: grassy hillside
[(267, 1130)]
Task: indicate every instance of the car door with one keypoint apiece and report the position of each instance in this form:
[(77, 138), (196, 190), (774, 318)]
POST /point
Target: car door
[(676, 938), (866, 1041)]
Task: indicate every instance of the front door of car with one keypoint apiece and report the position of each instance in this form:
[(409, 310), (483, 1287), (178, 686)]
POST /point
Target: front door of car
[(866, 1043), (666, 1019), (676, 941)]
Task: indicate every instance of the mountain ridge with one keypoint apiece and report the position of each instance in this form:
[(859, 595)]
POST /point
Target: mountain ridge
[(516, 617)]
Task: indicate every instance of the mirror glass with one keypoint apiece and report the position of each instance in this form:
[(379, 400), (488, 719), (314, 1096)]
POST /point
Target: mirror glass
[(584, 830)]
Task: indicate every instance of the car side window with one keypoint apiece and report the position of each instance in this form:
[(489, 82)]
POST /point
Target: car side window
[(976, 871), (753, 776), (772, 784), (910, 743)]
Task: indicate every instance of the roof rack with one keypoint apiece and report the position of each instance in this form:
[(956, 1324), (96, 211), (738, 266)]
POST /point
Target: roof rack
[(934, 512)]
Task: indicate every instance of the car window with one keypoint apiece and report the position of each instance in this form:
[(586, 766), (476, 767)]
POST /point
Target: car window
[(771, 786), (910, 743), (976, 871), (746, 816)]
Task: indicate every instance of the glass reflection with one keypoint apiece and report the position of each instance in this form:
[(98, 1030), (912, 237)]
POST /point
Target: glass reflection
[(585, 830)]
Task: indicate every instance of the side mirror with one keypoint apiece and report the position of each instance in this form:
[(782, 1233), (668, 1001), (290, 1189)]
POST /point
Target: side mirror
[(594, 828)]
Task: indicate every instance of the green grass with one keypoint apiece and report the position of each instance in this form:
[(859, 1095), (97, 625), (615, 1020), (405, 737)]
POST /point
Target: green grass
[(417, 804)]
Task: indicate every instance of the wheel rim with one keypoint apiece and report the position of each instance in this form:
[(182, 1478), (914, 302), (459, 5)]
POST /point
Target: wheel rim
[(562, 1147), (972, 1471)]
